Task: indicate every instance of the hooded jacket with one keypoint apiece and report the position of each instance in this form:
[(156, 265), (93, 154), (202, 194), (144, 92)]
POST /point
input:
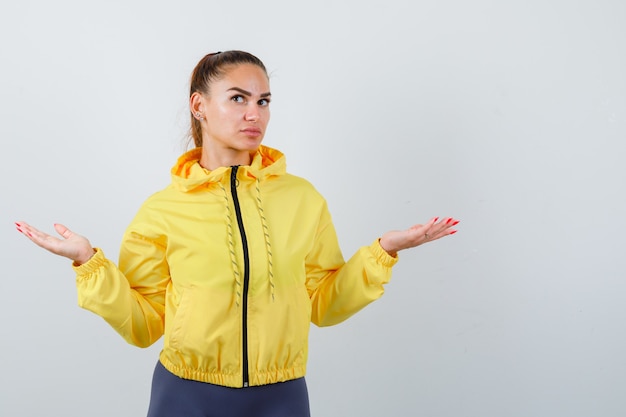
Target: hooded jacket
[(231, 266)]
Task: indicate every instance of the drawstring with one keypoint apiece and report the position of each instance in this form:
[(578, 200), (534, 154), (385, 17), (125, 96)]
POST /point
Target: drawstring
[(231, 246), (231, 243), (266, 234)]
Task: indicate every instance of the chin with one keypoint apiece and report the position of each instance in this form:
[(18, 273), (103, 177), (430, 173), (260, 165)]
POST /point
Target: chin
[(253, 147)]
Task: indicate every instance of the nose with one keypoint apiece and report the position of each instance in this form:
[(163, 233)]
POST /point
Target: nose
[(252, 115)]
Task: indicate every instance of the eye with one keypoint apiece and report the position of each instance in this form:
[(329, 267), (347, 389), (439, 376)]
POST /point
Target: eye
[(264, 102), (238, 99)]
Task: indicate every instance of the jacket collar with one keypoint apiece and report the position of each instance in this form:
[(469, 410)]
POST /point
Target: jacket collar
[(188, 174)]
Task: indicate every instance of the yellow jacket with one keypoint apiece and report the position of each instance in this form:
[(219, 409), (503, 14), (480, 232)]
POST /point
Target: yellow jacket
[(231, 266)]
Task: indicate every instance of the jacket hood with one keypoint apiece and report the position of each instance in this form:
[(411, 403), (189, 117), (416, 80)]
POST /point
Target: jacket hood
[(188, 174)]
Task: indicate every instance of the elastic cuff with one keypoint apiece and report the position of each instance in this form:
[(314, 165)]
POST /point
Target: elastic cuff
[(381, 255), (91, 266)]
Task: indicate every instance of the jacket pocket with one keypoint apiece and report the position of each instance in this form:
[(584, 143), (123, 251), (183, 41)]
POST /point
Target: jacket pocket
[(181, 319), (206, 330)]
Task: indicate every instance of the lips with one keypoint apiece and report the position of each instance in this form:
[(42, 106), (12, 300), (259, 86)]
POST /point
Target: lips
[(251, 131)]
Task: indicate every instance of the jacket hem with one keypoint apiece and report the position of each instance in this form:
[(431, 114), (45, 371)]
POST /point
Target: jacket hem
[(233, 380)]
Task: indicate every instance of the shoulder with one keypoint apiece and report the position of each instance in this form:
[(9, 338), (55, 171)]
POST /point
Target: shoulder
[(293, 194), (158, 202), (159, 197), (299, 181), (296, 185)]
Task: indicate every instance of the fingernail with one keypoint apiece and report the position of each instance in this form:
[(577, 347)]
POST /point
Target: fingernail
[(449, 220), (436, 218), (452, 232), (455, 223), (19, 230)]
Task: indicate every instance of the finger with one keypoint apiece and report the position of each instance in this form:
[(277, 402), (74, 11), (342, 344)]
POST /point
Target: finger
[(449, 224), (19, 227), (441, 229), (63, 231), (434, 229), (446, 230), (430, 228), (40, 238), (423, 230), (451, 221), (445, 224), (24, 228)]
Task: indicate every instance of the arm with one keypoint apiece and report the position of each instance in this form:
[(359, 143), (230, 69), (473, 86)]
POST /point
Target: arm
[(130, 298), (339, 289)]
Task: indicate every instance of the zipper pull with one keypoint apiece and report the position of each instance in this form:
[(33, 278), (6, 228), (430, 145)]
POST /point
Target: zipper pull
[(234, 181)]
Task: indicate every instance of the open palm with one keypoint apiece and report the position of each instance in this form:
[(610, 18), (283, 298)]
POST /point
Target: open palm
[(70, 245)]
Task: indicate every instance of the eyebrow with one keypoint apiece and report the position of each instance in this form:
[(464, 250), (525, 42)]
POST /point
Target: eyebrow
[(247, 93)]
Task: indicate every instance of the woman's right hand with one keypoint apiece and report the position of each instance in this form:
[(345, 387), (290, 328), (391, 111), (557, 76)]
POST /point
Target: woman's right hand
[(72, 245)]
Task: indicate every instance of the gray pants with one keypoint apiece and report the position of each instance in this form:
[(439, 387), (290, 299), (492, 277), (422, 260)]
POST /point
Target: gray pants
[(172, 396)]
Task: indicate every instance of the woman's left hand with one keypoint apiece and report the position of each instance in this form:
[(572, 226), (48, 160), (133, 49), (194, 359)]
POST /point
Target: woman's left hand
[(396, 240)]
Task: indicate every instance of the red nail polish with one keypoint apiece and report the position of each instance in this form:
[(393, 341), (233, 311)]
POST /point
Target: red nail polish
[(449, 220), (455, 223), (19, 230), (452, 232), (436, 218)]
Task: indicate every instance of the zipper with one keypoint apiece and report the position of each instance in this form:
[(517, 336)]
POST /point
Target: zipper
[(246, 275)]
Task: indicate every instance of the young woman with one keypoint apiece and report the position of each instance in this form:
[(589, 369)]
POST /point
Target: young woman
[(231, 262)]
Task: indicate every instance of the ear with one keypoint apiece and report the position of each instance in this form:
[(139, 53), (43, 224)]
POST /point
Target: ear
[(197, 105)]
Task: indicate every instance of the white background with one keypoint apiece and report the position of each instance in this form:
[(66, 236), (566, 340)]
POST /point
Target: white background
[(509, 115)]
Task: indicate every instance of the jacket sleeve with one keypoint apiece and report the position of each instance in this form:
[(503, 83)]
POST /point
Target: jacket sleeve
[(131, 297), (339, 289)]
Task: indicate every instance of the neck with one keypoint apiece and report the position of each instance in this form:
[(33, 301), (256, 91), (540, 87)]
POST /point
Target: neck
[(212, 159)]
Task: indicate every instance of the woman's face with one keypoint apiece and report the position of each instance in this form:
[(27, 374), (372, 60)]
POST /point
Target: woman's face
[(236, 111)]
